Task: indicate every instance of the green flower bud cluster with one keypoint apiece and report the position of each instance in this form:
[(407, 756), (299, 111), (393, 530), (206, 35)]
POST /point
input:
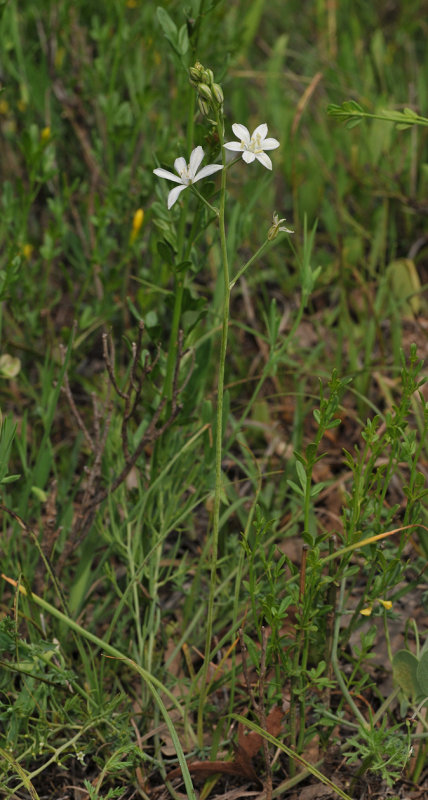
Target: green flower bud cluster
[(210, 94)]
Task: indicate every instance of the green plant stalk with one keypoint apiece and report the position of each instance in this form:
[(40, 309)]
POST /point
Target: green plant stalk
[(238, 581), (335, 664), (250, 261), (154, 614), (295, 689), (292, 713), (385, 705), (153, 683), (362, 769), (297, 680), (387, 636), (302, 648), (267, 369), (358, 493), (302, 704), (179, 277), (361, 602), (385, 116), (203, 199), (135, 591), (307, 500), (219, 441), (421, 757)]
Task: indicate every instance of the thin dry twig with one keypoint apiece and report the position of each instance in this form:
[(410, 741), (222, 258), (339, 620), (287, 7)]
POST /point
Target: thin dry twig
[(73, 408)]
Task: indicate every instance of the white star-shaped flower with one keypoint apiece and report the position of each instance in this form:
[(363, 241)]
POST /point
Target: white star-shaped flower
[(253, 146), (186, 174)]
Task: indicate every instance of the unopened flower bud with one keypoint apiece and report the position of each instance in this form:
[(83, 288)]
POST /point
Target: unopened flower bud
[(272, 232), (9, 366), (204, 91), (218, 93), (204, 107), (194, 75), (208, 77)]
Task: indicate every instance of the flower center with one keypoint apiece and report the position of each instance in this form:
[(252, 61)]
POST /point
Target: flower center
[(185, 175), (256, 144)]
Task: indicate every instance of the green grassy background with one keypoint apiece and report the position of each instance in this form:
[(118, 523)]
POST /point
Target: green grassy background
[(94, 97)]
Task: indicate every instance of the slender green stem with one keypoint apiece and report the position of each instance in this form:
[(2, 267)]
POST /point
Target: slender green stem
[(385, 116), (218, 441), (421, 754), (204, 200), (179, 277), (335, 664), (248, 264), (307, 502), (173, 340), (302, 699), (274, 355)]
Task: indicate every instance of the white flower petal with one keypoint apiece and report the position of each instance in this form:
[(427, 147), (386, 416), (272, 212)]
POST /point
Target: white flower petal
[(163, 173), (208, 170), (196, 157), (233, 146), (180, 165), (264, 159), (174, 193), (269, 144), (248, 156), (261, 131), (241, 132)]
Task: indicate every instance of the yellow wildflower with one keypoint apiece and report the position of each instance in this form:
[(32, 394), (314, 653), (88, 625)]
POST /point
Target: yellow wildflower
[(27, 251), (136, 224)]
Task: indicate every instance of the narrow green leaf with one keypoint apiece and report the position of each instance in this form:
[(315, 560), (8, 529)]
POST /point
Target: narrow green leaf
[(168, 25), (301, 474), (296, 488)]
